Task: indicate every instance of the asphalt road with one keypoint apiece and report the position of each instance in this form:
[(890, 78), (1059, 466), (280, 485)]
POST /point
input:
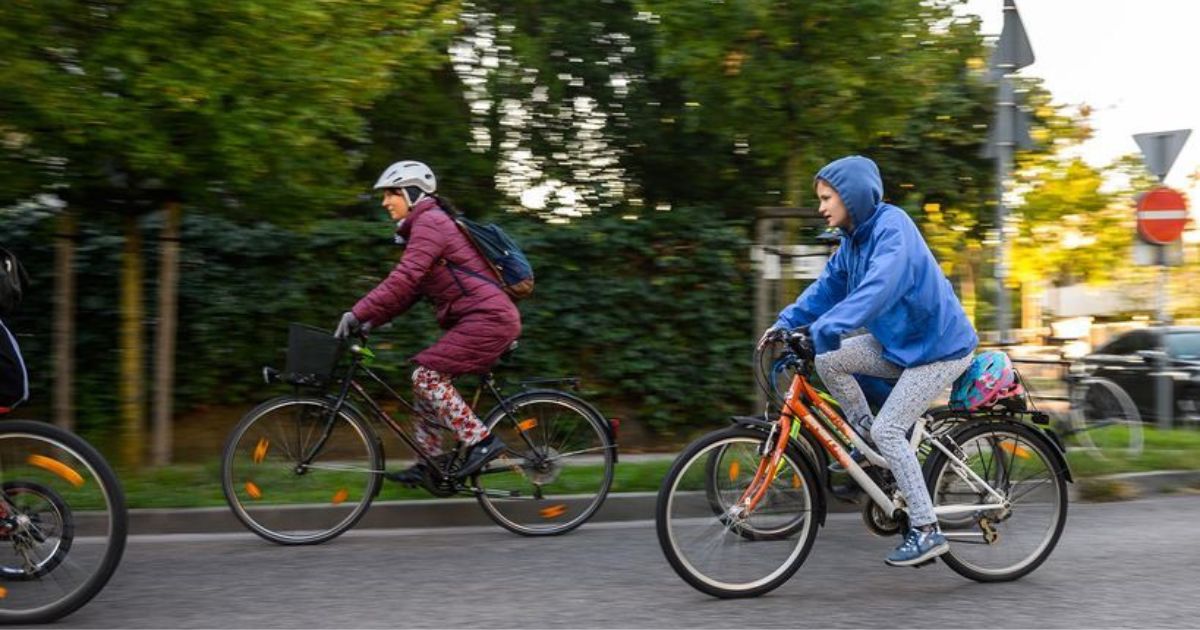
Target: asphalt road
[(1118, 565)]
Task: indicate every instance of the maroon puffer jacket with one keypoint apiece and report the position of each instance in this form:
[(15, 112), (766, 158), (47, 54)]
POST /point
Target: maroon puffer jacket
[(479, 318)]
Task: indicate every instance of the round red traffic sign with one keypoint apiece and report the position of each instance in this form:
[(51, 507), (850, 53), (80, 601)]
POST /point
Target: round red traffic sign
[(1161, 215)]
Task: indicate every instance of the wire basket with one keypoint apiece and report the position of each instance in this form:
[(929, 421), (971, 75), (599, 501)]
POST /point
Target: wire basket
[(312, 355)]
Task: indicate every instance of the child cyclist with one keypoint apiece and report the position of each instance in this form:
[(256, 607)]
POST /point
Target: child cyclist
[(883, 278)]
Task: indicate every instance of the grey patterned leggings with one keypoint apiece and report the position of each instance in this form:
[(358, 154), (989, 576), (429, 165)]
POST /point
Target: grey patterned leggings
[(917, 387)]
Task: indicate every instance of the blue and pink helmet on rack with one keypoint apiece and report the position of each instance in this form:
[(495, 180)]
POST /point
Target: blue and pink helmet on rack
[(989, 379)]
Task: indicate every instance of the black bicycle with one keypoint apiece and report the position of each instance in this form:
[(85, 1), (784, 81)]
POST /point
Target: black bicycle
[(303, 468), (63, 522)]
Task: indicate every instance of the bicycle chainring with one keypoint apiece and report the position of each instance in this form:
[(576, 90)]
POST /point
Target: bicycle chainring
[(877, 522)]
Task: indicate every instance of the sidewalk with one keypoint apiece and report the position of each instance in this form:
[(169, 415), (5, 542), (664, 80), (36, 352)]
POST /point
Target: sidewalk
[(458, 512)]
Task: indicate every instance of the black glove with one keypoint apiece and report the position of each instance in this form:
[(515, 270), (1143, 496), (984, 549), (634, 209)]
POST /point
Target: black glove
[(347, 326), (802, 343), (772, 334)]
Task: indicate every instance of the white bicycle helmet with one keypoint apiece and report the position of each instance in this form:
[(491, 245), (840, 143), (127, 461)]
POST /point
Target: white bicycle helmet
[(408, 174)]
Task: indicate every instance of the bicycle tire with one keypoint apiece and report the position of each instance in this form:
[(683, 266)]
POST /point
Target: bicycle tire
[(83, 465), (320, 506), (989, 440), (538, 513), (672, 512), (1104, 419)]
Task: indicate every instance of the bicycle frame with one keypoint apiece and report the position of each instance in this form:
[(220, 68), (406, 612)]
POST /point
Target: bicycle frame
[(348, 385), (799, 404)]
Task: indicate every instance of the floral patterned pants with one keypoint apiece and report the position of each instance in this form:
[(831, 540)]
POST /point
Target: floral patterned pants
[(439, 406)]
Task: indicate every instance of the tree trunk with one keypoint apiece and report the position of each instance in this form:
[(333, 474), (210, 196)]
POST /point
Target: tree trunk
[(164, 346), (64, 321), (133, 386)]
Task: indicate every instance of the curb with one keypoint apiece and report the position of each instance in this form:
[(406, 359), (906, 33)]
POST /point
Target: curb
[(463, 512)]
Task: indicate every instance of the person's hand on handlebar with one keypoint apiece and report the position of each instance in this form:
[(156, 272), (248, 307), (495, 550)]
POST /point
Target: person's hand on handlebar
[(349, 325), (772, 334)]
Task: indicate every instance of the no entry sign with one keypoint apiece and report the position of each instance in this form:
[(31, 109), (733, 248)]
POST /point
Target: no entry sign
[(1161, 215)]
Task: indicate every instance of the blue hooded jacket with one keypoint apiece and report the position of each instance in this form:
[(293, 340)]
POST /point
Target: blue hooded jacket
[(882, 278)]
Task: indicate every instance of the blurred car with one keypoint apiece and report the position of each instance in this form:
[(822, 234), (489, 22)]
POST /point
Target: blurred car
[(1134, 359)]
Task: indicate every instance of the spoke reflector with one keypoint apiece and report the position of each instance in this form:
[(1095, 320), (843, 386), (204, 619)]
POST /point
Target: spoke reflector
[(795, 481), (554, 511), (1013, 449), (3, 592), (734, 469), (528, 424), (253, 491), (340, 496), (56, 467), (260, 451)]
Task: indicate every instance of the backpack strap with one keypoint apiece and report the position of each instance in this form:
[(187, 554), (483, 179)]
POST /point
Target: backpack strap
[(498, 279)]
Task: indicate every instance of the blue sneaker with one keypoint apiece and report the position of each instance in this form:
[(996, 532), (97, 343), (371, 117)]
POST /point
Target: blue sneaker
[(918, 547)]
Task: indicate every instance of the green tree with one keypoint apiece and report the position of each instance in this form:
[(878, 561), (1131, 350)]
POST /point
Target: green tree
[(248, 106)]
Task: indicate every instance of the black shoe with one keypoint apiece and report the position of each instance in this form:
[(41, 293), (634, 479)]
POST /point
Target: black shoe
[(411, 476), (490, 448)]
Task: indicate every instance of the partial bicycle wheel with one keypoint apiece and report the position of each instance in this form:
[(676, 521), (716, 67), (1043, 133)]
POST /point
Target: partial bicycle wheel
[(295, 474), (726, 462), (557, 468), (999, 544), (63, 522), (745, 550), (1105, 420)]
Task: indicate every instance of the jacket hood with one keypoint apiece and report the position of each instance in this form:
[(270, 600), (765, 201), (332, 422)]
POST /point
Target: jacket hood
[(856, 179)]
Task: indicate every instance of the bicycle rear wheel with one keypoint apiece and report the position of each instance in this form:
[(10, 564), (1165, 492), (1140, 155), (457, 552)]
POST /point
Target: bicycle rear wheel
[(736, 552), (63, 522), (998, 545), (1105, 419), (557, 469), (296, 475)]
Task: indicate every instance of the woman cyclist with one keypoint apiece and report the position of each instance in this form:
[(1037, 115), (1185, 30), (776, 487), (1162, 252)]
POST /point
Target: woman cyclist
[(883, 278), (480, 320)]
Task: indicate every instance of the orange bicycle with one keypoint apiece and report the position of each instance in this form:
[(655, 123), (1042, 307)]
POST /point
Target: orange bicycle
[(738, 511)]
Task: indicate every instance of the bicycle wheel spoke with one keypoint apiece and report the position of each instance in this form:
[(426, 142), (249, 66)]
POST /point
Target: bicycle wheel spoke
[(705, 532), (1001, 542), (282, 501), (567, 471)]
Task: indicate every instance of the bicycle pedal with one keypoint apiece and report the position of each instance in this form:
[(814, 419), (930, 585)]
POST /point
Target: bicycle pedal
[(925, 564)]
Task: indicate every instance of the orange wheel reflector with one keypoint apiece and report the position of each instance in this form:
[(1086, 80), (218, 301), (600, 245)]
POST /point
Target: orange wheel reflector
[(795, 481), (56, 467), (260, 451), (734, 469), (3, 592), (340, 496), (1014, 449), (554, 511), (253, 491), (528, 424)]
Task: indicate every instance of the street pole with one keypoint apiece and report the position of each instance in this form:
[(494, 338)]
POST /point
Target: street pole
[(1009, 132), (1005, 108)]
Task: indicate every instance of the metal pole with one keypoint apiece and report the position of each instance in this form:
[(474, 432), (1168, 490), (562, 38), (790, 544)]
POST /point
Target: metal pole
[(1164, 394), (1006, 107)]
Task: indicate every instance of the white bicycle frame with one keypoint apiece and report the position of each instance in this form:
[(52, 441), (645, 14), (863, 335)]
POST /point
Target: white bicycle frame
[(831, 444)]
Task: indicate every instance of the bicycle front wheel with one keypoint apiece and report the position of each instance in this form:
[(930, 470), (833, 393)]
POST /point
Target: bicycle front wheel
[(557, 469), (63, 522), (719, 542), (998, 544), (296, 474)]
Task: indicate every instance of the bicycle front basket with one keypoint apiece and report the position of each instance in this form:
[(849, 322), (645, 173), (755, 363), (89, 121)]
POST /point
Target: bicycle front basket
[(312, 355)]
